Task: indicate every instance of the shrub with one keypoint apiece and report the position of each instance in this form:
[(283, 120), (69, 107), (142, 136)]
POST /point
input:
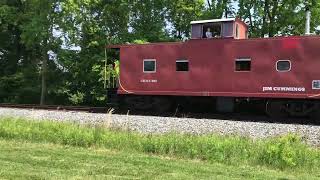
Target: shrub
[(286, 151)]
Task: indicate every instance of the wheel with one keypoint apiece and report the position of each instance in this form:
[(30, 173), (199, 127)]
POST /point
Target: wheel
[(161, 104), (137, 103), (315, 114), (225, 104), (147, 103), (276, 109)]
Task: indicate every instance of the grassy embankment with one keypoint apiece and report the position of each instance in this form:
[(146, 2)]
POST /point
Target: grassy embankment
[(51, 149)]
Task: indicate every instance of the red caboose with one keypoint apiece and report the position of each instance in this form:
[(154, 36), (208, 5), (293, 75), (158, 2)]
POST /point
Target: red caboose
[(282, 72)]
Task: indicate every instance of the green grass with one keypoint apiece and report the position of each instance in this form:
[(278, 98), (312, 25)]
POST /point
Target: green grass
[(287, 153), (23, 160)]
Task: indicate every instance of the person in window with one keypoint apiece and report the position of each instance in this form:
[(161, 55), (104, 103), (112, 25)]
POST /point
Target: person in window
[(208, 33)]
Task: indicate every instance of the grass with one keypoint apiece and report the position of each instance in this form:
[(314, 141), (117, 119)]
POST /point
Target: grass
[(287, 153), (24, 160)]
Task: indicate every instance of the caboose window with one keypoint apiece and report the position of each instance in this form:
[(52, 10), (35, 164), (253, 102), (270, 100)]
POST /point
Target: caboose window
[(182, 65), (316, 84), (283, 65), (243, 64), (149, 66)]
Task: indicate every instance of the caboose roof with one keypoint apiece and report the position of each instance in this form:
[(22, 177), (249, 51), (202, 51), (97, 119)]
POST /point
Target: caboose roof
[(213, 20)]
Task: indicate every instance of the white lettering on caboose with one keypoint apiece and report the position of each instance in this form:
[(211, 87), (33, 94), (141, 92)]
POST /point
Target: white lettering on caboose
[(148, 81), (284, 89)]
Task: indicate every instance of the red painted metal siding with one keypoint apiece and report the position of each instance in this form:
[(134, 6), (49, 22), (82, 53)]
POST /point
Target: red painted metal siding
[(212, 67), (242, 30)]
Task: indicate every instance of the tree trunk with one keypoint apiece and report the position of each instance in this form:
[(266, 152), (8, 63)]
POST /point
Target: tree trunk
[(250, 20), (264, 18), (226, 12), (209, 4), (44, 77), (271, 15)]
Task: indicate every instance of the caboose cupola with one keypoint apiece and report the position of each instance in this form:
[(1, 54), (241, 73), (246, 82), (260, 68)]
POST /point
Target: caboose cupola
[(219, 28)]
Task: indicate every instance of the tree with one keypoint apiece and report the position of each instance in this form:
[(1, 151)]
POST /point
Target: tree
[(62, 42), (180, 13), (147, 20), (41, 18), (10, 34), (218, 9), (277, 17), (17, 80), (89, 26)]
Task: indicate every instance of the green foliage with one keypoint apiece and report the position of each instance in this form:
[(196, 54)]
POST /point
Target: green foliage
[(76, 98), (140, 41), (148, 19), (181, 13), (286, 152), (19, 88), (55, 49), (219, 9), (276, 18)]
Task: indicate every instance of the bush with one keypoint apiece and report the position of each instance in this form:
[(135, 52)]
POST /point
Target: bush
[(286, 151)]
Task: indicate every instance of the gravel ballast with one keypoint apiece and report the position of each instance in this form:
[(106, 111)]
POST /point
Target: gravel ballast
[(152, 124)]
